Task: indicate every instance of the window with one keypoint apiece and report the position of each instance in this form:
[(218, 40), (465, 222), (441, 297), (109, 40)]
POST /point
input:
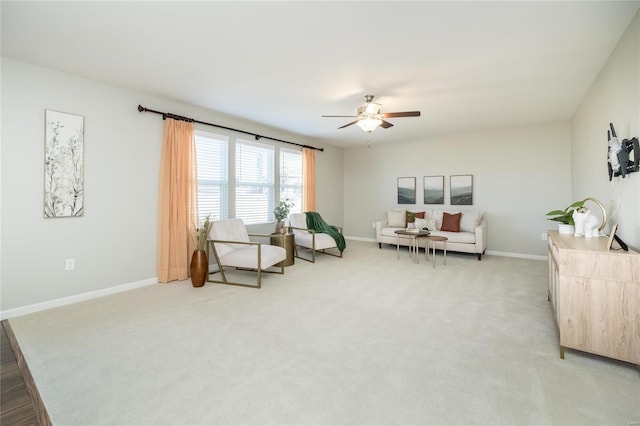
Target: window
[(213, 188), (263, 174), (255, 189), (291, 178)]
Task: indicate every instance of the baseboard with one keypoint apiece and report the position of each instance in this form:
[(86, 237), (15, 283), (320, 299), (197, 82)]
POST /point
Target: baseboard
[(490, 252), (37, 307), (518, 255), (368, 240)]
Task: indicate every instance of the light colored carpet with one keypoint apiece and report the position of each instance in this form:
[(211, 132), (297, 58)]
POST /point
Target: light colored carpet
[(363, 340)]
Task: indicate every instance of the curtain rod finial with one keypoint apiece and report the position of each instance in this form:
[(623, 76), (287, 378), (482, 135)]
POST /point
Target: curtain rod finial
[(141, 108)]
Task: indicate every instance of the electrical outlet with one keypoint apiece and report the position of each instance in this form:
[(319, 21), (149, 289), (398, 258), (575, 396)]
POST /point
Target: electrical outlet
[(543, 236), (70, 264)]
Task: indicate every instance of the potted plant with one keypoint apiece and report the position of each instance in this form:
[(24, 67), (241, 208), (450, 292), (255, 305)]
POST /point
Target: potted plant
[(566, 224), (199, 267), (281, 213)]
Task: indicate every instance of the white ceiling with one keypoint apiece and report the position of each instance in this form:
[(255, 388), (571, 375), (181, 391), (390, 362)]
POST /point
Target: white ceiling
[(464, 65)]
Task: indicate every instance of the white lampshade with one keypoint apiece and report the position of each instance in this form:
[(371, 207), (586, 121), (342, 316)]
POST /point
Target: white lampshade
[(369, 124)]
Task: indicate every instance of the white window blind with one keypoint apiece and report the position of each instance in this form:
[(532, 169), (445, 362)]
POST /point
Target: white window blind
[(291, 178), (213, 188), (254, 182)]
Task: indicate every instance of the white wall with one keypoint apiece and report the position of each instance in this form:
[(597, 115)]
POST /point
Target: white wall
[(613, 98), (518, 175), (114, 243)]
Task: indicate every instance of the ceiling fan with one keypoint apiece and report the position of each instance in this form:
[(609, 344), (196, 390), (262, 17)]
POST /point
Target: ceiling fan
[(369, 116)]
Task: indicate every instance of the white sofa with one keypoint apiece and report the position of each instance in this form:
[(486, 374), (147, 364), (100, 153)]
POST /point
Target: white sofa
[(471, 237)]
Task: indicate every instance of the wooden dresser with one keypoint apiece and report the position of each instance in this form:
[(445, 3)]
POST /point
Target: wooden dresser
[(595, 294)]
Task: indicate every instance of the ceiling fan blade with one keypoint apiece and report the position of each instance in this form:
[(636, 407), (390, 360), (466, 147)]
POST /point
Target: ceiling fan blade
[(401, 114), (348, 124), (385, 124), (352, 116)]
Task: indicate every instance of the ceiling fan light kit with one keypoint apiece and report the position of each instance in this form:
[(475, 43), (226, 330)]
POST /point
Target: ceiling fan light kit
[(369, 116), (369, 124)]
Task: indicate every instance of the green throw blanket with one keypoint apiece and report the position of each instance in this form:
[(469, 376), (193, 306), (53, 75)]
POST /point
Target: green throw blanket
[(317, 223)]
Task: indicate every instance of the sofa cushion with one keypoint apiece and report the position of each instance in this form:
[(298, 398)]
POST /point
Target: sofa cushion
[(457, 237), (453, 237), (469, 220), (389, 231), (397, 218), (450, 222), (437, 216)]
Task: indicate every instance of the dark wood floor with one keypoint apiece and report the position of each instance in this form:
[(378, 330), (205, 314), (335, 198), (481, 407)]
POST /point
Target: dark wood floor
[(18, 398)]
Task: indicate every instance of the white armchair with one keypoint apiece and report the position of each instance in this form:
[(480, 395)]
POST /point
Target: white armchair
[(232, 247), (309, 239)]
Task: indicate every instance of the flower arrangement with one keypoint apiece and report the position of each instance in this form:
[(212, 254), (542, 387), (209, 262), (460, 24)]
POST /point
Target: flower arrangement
[(282, 211), (203, 233)]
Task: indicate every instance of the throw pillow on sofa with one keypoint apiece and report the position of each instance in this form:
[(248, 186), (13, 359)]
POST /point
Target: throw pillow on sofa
[(451, 222), (437, 216), (397, 218), (470, 220), (412, 216), (421, 223)]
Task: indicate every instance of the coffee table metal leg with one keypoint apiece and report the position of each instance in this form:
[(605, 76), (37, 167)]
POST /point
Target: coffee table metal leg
[(445, 252), (433, 254)]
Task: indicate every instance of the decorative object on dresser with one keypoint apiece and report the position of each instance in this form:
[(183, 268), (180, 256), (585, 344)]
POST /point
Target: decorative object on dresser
[(566, 224), (621, 245), (595, 296)]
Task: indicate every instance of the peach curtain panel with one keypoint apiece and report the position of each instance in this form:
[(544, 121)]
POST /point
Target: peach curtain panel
[(309, 179), (177, 201)]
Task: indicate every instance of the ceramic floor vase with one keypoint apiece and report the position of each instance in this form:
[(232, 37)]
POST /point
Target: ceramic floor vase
[(199, 268)]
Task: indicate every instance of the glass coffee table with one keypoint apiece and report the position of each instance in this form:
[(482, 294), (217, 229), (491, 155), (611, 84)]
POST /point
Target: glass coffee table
[(413, 247)]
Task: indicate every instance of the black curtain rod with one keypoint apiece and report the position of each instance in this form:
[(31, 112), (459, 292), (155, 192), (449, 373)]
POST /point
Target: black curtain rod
[(166, 115)]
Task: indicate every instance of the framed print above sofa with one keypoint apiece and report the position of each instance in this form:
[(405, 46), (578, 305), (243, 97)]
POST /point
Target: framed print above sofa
[(433, 190), (406, 190), (461, 190)]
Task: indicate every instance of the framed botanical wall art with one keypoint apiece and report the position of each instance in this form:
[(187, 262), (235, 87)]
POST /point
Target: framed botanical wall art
[(406, 190), (433, 190), (63, 165), (461, 190)]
